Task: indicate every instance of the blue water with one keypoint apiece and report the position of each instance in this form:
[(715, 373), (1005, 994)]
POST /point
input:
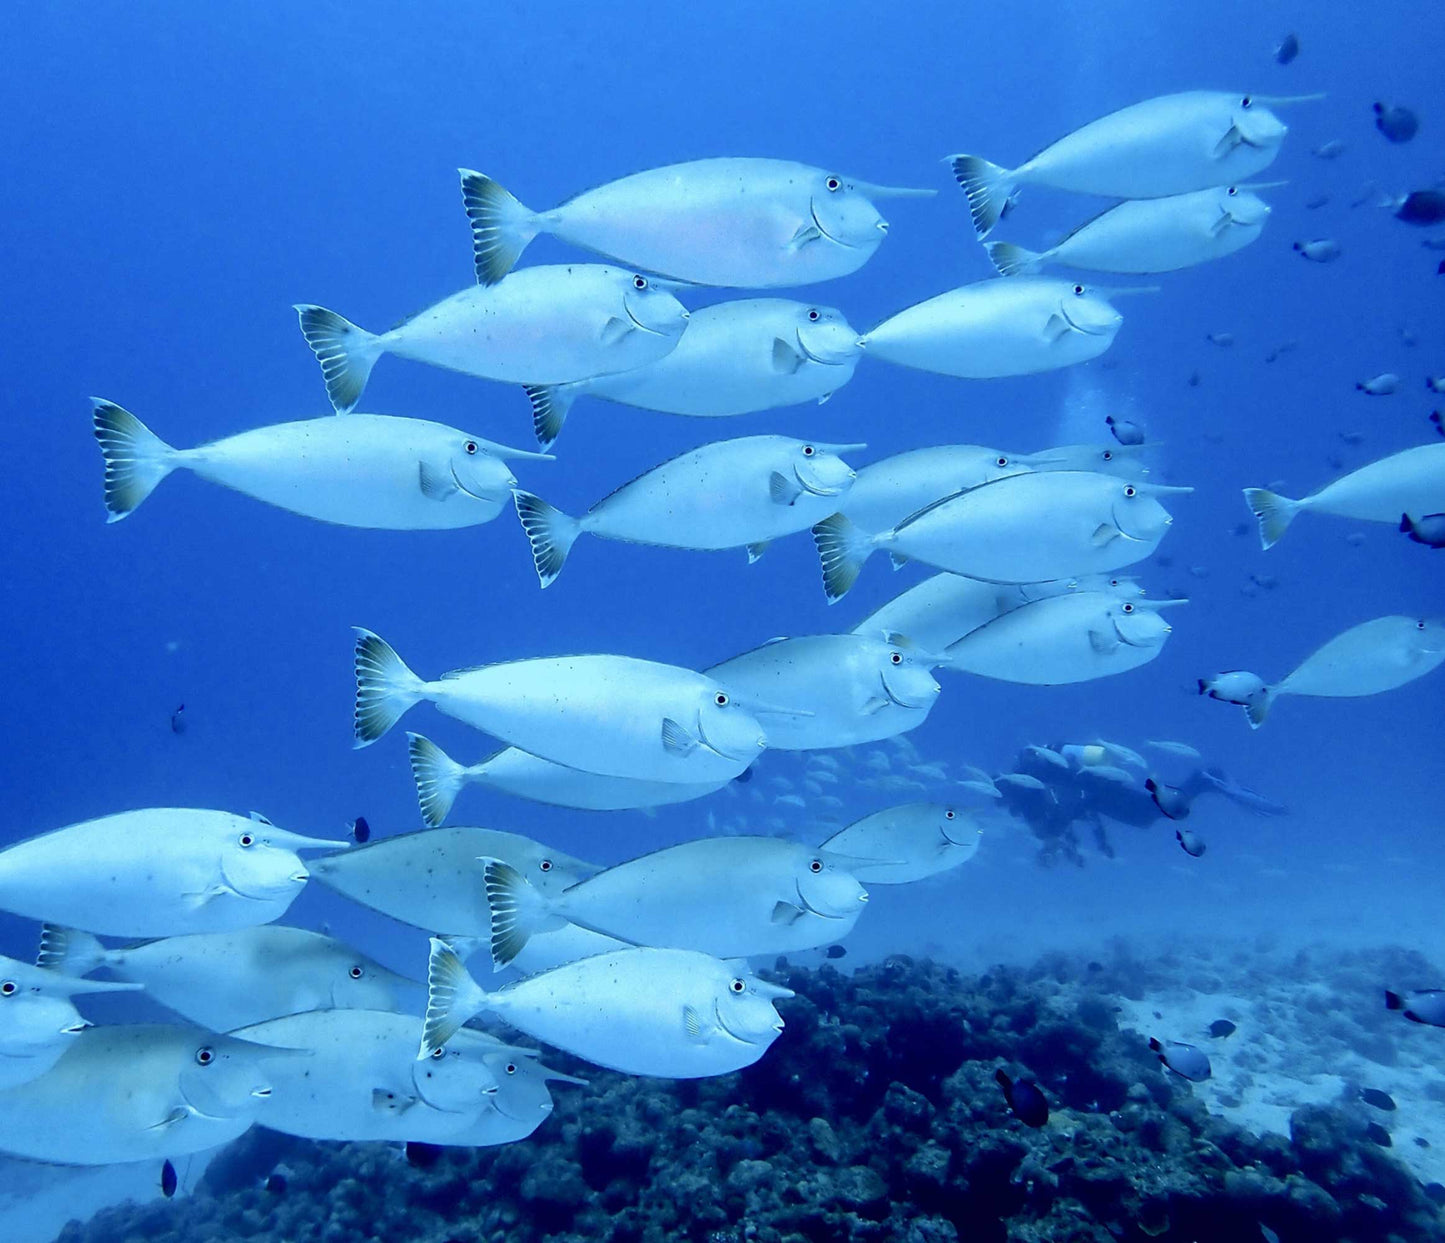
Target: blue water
[(174, 177)]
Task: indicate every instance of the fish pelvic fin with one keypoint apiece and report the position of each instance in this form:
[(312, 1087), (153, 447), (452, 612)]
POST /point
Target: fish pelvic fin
[(550, 532), (842, 550), (516, 908), (987, 187), (346, 353), (68, 951), (452, 997), (439, 779), (501, 225), (1011, 260), (1273, 512), (550, 404), (136, 459), (385, 687)]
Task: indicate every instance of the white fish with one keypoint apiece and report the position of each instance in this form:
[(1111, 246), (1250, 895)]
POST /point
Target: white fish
[(160, 872), (38, 1019), (1021, 781), (1320, 250), (615, 715), (1235, 686), (543, 325), (1048, 755), (1023, 529), (726, 896), (846, 688), (735, 358), (669, 1013), (906, 843), (1383, 385), (1085, 755), (1125, 755), (139, 1093), (439, 779), (753, 223), (1174, 748), (1063, 639), (1000, 328), (1124, 461), (942, 609), (791, 800), (433, 879), (361, 1079), (1143, 236), (1171, 144), (1411, 481), (367, 470), (1367, 659), (225, 980), (740, 493), (555, 946), (929, 772)]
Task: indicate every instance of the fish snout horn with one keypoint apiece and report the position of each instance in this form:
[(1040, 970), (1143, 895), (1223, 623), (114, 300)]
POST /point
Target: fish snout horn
[(873, 190), (1273, 101), (1164, 489), (854, 448)]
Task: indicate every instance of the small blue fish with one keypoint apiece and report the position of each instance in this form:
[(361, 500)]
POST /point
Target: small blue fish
[(1027, 1103), (1424, 1005), (1125, 432), (360, 831), (1396, 123), (1185, 1060), (169, 1180), (1287, 50), (1429, 530)]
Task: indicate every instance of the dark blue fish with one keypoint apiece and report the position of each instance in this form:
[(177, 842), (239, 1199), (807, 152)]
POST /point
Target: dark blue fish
[(1185, 1060), (178, 720), (1424, 1005), (1222, 1028), (1377, 1099), (360, 830), (169, 1181), (1396, 123), (1169, 800), (1028, 1104), (1288, 49), (1377, 1134), (1125, 432), (422, 1156), (834, 951), (275, 1184), (1422, 207), (744, 777), (1428, 530), (1190, 843), (1435, 416)]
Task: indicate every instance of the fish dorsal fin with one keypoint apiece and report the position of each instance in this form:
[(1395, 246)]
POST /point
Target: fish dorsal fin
[(756, 550), (436, 484), (1102, 643), (787, 358), (676, 739), (260, 819), (782, 490), (692, 1022), (932, 505), (807, 232), (614, 330)]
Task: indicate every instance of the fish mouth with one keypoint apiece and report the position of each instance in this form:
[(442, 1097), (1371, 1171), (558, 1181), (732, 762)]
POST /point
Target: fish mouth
[(717, 1015), (656, 332), (75, 1028), (818, 358), (261, 1094), (837, 241), (477, 496), (1078, 327), (902, 703), (813, 910), (817, 489), (717, 751)]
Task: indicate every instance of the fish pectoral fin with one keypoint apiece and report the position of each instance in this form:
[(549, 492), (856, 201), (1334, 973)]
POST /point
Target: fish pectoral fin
[(1104, 533), (692, 1023), (824, 398), (676, 739), (807, 232), (876, 704), (782, 490), (1057, 328), (1221, 226), (179, 1114), (1232, 138), (1102, 643), (615, 329), (787, 359), (786, 913), (197, 900), (385, 1101), (436, 484), (756, 550)]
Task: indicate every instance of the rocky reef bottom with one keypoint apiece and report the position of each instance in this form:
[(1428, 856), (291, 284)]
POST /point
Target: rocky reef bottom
[(876, 1116)]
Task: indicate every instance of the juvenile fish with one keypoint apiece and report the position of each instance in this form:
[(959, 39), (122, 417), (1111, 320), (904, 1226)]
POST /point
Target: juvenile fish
[(1383, 385), (752, 223), (1321, 250), (366, 470)]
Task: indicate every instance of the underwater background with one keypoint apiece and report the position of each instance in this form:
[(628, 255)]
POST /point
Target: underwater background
[(174, 177)]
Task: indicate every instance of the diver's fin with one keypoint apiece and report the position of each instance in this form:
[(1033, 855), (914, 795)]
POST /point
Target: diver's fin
[(346, 353), (136, 459), (501, 225)]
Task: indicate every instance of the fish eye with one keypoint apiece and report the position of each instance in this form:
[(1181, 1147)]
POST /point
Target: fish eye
[(545, 865), (470, 447), (720, 699), (1246, 101), (1108, 455), (737, 986), (247, 840), (833, 184), (1128, 608), (896, 657), (7, 989), (815, 866), (808, 451), (356, 972), (1419, 625), (205, 1055), (814, 316), (949, 814), (510, 1068), (438, 1054), (639, 282), (1131, 490), (1079, 291), (1001, 460), (1233, 190)]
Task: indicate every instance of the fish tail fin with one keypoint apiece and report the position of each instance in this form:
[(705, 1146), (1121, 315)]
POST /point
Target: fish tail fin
[(550, 532), (1257, 709), (439, 779), (517, 910), (501, 225), (68, 951), (988, 188), (346, 353), (452, 997), (1393, 1001), (842, 550), (550, 404), (385, 687), (1203, 686), (1273, 511), (1011, 260), (136, 459)]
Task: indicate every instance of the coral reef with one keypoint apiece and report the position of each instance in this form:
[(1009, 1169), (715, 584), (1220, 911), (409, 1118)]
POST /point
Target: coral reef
[(876, 1116)]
